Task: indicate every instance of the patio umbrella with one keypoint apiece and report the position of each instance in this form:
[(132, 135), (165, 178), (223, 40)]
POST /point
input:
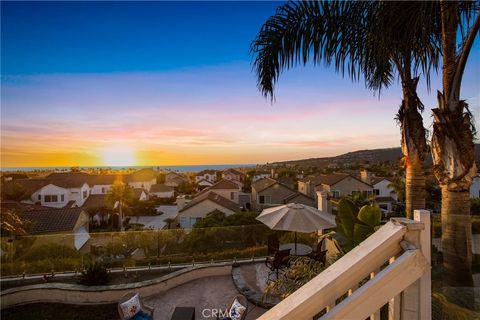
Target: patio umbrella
[(296, 217)]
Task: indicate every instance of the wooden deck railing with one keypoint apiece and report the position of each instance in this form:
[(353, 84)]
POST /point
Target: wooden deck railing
[(391, 267)]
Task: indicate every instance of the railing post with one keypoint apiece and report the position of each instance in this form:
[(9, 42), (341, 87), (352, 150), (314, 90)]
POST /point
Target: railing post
[(394, 304), (416, 300), (376, 315), (426, 280)]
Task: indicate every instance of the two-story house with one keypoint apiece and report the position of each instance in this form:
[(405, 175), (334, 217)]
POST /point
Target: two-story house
[(173, 179), (72, 189), (336, 184), (208, 175), (235, 176), (269, 192), (226, 188)]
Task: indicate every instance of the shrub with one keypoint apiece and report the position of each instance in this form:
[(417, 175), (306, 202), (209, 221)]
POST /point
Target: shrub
[(96, 274)]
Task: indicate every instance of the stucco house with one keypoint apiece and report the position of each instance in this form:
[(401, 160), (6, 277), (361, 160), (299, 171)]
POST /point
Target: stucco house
[(268, 192), (208, 175), (475, 187), (235, 176), (173, 179), (336, 184), (202, 205), (202, 184), (66, 226), (55, 193), (226, 188), (143, 178), (161, 191), (260, 175), (385, 196), (62, 189)]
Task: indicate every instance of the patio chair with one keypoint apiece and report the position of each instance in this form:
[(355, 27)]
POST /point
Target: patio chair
[(273, 244), (238, 302), (278, 261), (320, 256), (131, 304)]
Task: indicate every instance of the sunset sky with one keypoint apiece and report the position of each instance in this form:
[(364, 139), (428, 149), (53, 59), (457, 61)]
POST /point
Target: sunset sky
[(155, 83)]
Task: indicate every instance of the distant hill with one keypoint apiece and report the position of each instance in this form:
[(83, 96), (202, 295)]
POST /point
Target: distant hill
[(389, 155)]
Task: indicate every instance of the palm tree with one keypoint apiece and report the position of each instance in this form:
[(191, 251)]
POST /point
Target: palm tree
[(121, 194), (398, 185), (452, 142), (359, 38), (169, 222)]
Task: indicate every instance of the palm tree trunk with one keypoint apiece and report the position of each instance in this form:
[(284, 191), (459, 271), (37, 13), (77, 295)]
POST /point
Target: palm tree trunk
[(414, 146), (415, 188), (457, 247), (456, 237), (120, 216)]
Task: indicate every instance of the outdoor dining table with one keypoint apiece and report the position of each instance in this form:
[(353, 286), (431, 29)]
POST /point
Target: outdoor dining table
[(301, 249)]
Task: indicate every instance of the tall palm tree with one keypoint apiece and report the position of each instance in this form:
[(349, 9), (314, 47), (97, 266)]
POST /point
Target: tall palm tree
[(452, 142), (359, 38), (120, 193)]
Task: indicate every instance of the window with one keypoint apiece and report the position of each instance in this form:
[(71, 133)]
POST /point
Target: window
[(62, 198), (39, 197), (85, 194), (232, 195), (366, 194), (104, 190), (51, 198), (376, 192), (264, 199), (336, 193)]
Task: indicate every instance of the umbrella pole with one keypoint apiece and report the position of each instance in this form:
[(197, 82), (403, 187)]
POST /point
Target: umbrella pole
[(295, 242)]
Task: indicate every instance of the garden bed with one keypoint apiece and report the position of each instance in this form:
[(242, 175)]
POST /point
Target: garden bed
[(115, 278), (47, 311)]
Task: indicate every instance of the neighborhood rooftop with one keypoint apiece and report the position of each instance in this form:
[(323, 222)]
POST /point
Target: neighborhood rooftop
[(47, 220)]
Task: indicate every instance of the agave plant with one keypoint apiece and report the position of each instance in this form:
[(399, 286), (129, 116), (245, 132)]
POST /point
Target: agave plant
[(354, 225), (94, 275)]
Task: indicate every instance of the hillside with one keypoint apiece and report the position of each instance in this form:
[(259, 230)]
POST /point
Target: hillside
[(388, 155)]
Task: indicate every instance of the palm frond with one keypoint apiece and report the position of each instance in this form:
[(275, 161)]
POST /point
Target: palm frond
[(360, 38)]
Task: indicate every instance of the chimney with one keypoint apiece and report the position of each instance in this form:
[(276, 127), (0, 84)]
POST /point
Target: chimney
[(322, 202), (366, 176), (181, 202)]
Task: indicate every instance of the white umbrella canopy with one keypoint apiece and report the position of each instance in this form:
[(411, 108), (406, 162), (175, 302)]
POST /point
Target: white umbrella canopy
[(296, 217)]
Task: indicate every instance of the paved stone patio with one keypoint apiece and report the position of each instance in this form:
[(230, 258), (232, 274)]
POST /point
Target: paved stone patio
[(207, 293)]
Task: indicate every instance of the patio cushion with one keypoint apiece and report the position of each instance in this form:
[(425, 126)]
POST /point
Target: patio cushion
[(131, 307), (236, 310), (142, 316)]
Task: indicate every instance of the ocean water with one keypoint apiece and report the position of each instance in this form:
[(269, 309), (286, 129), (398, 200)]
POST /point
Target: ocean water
[(186, 168)]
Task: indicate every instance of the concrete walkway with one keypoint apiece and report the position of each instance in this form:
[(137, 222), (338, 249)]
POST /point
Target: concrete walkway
[(157, 222), (203, 294)]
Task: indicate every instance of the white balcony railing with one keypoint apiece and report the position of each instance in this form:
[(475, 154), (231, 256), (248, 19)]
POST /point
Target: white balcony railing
[(391, 266)]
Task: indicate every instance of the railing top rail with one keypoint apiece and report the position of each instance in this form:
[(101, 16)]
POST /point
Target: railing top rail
[(342, 275)]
